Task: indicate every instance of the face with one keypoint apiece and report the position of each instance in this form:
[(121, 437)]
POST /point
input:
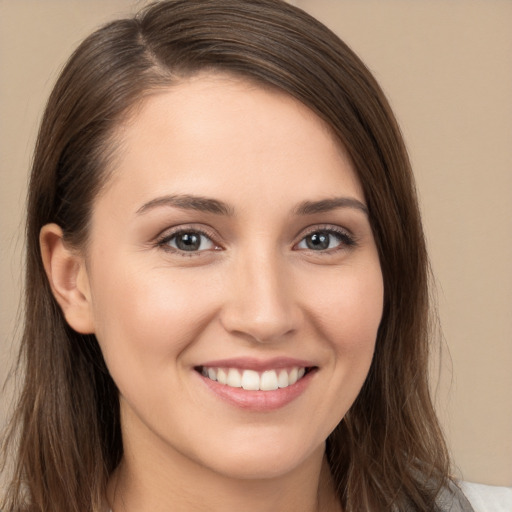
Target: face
[(233, 278)]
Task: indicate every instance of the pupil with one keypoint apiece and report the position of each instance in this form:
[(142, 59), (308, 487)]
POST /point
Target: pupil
[(188, 242), (318, 241)]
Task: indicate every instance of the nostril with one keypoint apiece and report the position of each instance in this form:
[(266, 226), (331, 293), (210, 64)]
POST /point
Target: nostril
[(271, 327)]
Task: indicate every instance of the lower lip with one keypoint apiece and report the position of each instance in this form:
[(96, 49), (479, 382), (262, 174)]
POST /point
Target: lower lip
[(259, 401)]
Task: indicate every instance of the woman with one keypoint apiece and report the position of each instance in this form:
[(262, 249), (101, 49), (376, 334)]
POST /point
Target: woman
[(227, 301)]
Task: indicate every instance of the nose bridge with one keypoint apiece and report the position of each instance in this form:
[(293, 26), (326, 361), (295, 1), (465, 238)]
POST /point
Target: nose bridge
[(261, 302)]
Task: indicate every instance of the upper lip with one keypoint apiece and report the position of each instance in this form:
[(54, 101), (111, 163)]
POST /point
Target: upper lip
[(256, 364)]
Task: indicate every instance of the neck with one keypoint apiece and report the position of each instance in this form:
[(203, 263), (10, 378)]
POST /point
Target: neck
[(157, 484)]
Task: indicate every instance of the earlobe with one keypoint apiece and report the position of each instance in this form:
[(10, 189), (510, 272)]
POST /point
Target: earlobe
[(67, 275)]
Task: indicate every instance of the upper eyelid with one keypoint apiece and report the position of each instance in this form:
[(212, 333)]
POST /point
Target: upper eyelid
[(170, 232), (324, 227)]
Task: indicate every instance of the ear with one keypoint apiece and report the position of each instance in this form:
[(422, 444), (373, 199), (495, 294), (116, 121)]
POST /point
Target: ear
[(67, 275)]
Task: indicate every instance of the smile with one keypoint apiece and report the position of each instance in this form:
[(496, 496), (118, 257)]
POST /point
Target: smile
[(251, 380)]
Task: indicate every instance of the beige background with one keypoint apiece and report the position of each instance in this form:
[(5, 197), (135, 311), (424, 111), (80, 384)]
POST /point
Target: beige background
[(447, 69)]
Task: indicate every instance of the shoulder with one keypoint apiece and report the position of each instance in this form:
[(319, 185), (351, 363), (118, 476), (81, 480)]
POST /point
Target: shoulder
[(452, 499), (488, 498)]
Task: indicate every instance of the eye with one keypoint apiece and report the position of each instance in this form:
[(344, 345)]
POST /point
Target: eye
[(188, 241), (324, 240)]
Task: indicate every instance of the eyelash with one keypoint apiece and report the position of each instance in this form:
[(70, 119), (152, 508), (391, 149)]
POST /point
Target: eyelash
[(163, 241), (346, 240)]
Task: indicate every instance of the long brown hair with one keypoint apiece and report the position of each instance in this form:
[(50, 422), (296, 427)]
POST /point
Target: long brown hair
[(388, 452)]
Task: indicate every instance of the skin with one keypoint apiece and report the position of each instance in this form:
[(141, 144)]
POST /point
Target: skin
[(254, 289)]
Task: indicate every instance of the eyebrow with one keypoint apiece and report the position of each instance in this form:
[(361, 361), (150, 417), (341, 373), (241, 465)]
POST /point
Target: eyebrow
[(208, 205), (188, 202), (327, 205)]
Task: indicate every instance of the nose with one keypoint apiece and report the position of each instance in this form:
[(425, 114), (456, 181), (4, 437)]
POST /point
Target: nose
[(261, 301)]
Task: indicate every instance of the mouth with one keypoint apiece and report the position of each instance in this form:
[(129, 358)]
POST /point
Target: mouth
[(252, 380)]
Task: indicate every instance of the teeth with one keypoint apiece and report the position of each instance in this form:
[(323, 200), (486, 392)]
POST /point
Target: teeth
[(269, 381), (251, 380), (283, 380), (222, 376), (234, 380)]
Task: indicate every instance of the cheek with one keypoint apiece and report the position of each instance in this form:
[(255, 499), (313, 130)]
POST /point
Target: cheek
[(348, 309), (345, 309), (145, 319)]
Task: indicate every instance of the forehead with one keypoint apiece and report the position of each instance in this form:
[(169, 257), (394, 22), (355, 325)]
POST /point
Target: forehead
[(211, 130)]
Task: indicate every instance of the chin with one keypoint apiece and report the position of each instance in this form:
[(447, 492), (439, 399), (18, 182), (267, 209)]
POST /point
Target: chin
[(257, 461)]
